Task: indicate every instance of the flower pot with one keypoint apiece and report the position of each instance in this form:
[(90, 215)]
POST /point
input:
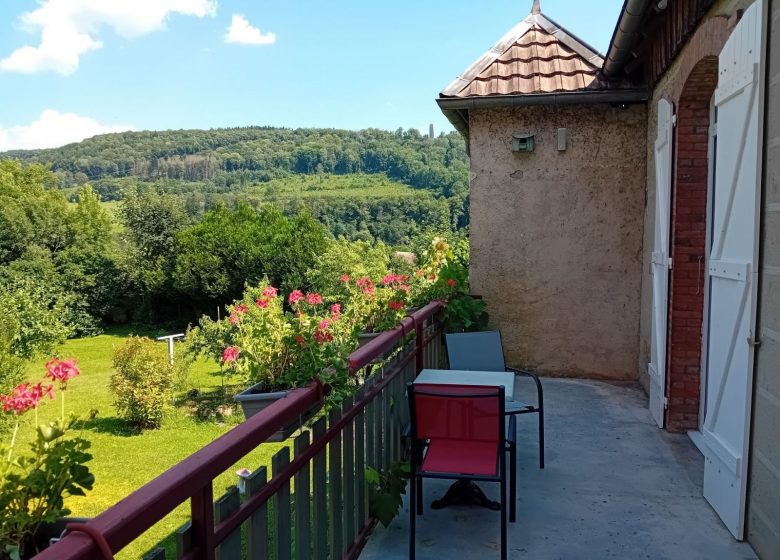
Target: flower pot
[(254, 399), (49, 533)]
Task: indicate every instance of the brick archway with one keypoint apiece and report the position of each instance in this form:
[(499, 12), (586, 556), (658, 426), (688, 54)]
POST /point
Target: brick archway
[(688, 240)]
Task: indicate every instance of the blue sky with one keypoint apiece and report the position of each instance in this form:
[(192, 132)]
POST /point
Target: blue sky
[(160, 64)]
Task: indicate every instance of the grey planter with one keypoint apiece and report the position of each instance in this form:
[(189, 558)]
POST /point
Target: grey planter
[(252, 401), (49, 533)]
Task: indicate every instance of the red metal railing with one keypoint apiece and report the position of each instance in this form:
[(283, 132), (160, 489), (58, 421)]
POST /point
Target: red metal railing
[(369, 427)]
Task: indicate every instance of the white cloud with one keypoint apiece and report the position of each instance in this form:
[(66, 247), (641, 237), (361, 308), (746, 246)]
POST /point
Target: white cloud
[(53, 129), (68, 28), (241, 32)]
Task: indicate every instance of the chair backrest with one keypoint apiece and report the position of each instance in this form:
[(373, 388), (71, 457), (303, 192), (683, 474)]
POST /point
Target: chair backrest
[(476, 351), (459, 412)]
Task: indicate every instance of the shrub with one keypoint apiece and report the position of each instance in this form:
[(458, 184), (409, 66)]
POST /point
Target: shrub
[(143, 382)]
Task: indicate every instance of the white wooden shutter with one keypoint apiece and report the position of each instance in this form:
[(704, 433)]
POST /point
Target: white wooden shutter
[(733, 272), (660, 260)]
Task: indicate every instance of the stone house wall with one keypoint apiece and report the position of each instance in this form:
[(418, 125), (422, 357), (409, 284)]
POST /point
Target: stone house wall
[(556, 236)]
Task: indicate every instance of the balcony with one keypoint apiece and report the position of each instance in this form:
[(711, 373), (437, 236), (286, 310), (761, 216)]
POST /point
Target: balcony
[(614, 485)]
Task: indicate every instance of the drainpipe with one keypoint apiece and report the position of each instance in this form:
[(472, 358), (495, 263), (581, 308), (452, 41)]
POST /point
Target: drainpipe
[(625, 34)]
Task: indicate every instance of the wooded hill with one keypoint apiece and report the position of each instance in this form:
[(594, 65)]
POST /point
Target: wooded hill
[(368, 183)]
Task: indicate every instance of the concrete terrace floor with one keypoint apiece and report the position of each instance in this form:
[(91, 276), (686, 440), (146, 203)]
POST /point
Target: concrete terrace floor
[(614, 486)]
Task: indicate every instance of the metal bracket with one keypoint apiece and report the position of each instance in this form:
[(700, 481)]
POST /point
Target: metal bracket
[(753, 341)]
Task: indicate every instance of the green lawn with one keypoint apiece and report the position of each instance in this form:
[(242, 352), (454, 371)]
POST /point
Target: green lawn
[(124, 460), (358, 185)]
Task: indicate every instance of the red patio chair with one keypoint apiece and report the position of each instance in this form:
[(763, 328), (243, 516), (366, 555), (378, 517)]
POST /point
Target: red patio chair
[(458, 432)]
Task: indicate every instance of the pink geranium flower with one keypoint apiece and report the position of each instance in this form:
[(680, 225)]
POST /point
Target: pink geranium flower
[(61, 370), (230, 355), (240, 309), (335, 309), (345, 278), (296, 296), (25, 397), (234, 319), (366, 285), (270, 292), (314, 299), (262, 303)]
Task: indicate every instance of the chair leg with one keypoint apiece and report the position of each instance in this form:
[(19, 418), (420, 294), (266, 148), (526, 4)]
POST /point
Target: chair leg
[(513, 482), (412, 515), (419, 501), (541, 437), (504, 546)]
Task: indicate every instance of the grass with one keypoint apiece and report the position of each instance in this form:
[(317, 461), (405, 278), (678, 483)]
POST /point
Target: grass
[(123, 460), (359, 185)]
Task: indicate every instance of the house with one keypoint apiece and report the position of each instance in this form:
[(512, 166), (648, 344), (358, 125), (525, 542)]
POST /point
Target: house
[(625, 222)]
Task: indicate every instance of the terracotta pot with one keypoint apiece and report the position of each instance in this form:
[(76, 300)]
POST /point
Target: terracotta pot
[(254, 399)]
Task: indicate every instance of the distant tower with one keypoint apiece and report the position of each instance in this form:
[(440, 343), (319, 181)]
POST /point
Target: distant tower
[(430, 131), (536, 8)]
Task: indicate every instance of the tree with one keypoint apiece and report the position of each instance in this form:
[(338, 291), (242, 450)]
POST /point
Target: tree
[(151, 223), (230, 248), (90, 223)]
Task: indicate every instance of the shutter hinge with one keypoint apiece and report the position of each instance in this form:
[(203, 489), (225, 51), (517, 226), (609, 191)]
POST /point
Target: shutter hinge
[(666, 403), (674, 120), (753, 341), (669, 263)]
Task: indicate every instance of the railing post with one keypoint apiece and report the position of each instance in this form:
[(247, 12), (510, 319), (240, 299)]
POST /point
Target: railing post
[(202, 508), (419, 345)]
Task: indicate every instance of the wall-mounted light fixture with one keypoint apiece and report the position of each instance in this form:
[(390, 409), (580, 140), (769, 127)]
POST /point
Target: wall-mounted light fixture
[(522, 142)]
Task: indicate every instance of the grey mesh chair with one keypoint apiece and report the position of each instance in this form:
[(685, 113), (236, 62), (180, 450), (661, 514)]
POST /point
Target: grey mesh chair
[(483, 351)]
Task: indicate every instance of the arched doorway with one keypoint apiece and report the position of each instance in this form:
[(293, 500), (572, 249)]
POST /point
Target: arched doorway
[(692, 179)]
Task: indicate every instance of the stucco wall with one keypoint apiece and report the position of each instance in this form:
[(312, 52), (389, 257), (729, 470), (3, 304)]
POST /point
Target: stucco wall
[(764, 494), (556, 237), (707, 41)]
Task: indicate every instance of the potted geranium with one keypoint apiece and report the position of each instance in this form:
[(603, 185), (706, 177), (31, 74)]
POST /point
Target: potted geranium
[(35, 483), (275, 351), (376, 307)]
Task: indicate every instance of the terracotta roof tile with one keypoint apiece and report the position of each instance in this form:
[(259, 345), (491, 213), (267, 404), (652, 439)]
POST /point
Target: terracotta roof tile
[(536, 57), (536, 63)]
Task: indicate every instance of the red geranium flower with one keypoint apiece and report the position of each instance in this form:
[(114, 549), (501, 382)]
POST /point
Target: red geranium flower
[(230, 355), (345, 278), (296, 296), (234, 319), (240, 309), (452, 283), (335, 309), (396, 305), (61, 370), (313, 299), (322, 336), (262, 303), (300, 340)]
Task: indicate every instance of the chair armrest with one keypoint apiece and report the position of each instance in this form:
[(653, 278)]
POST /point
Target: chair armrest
[(511, 434), (539, 391)]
